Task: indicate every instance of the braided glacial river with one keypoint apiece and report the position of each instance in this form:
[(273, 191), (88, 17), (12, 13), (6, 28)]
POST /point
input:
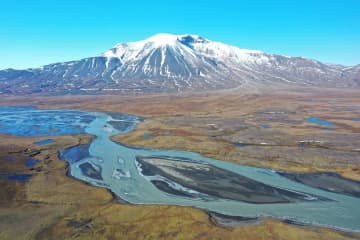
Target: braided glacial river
[(150, 176)]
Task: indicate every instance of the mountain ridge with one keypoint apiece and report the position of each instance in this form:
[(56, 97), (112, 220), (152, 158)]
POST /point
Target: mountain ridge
[(175, 63)]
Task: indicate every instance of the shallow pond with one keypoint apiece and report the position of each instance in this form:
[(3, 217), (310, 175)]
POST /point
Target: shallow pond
[(30, 162), (16, 177), (44, 142), (320, 122)]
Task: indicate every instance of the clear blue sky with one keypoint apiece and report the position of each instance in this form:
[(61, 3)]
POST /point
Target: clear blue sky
[(34, 32)]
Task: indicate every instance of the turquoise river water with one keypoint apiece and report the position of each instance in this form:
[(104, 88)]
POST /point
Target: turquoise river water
[(119, 172)]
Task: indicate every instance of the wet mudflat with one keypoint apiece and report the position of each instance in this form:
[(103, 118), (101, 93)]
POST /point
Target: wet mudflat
[(331, 182), (214, 182)]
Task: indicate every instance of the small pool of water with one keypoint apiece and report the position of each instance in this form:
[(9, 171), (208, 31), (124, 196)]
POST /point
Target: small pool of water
[(242, 144), (30, 162), (9, 158), (147, 136), (16, 177), (44, 142), (75, 154), (320, 122)]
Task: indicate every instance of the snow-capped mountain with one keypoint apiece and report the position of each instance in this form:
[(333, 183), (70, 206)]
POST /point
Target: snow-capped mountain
[(173, 63)]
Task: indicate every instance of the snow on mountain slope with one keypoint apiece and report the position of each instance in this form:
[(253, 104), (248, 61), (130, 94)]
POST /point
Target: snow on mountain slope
[(173, 63)]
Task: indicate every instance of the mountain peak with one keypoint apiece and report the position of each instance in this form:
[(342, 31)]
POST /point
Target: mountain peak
[(132, 50), (163, 39)]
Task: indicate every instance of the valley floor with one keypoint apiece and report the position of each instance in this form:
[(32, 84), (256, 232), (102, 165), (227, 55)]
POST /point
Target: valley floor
[(304, 130)]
